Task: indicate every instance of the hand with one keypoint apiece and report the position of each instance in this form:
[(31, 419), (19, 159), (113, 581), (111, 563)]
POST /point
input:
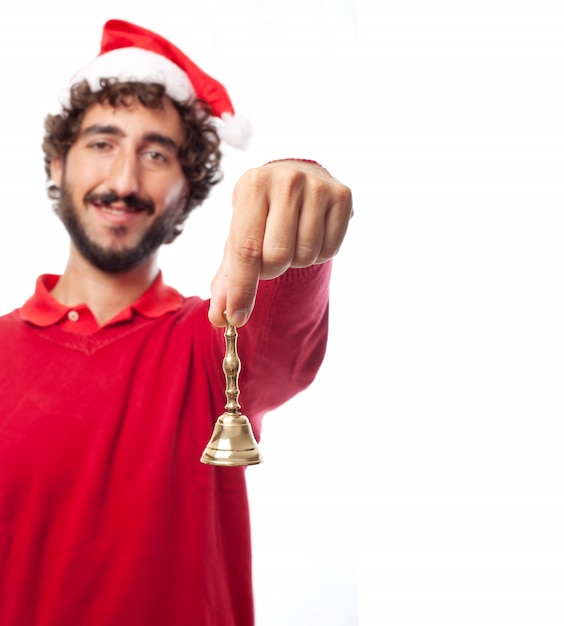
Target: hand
[(285, 214)]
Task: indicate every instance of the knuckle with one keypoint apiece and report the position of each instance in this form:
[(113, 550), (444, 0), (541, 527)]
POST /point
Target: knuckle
[(277, 257), (305, 256), (293, 183), (326, 254), (249, 249), (343, 198), (319, 189), (288, 181), (239, 191), (251, 183)]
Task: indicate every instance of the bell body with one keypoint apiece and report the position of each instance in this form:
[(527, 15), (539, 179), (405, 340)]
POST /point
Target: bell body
[(232, 442)]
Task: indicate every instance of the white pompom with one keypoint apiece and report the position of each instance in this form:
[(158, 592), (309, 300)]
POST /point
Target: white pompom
[(236, 130)]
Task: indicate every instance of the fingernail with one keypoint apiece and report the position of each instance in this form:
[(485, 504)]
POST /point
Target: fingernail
[(239, 317)]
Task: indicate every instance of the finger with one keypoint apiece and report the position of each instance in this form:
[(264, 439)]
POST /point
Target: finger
[(290, 225), (336, 225), (307, 227), (310, 231), (280, 238), (245, 246), (218, 298)]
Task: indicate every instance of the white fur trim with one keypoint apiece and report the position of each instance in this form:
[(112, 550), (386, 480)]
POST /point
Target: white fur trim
[(236, 130), (135, 64)]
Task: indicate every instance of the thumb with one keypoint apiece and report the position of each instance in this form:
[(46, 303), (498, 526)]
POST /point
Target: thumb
[(218, 297)]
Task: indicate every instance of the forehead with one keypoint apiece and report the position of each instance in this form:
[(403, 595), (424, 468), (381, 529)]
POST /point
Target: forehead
[(135, 120)]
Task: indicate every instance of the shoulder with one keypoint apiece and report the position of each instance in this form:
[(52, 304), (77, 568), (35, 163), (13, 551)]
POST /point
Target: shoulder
[(10, 321)]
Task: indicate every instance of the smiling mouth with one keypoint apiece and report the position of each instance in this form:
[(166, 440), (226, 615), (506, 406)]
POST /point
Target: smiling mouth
[(113, 210), (113, 204)]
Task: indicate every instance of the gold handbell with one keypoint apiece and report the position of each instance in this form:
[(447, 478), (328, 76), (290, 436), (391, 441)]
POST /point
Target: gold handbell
[(232, 442)]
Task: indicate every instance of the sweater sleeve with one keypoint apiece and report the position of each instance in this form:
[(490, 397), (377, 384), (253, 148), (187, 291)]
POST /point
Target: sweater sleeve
[(282, 346)]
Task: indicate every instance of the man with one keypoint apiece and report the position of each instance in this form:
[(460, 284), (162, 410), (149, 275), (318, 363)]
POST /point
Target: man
[(110, 381)]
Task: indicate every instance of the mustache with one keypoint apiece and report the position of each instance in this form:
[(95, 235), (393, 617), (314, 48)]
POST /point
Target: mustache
[(131, 201)]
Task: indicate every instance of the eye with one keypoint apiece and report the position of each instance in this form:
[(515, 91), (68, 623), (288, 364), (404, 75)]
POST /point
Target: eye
[(156, 156), (100, 145)]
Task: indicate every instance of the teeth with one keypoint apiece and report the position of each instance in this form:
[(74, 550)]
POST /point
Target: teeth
[(114, 211)]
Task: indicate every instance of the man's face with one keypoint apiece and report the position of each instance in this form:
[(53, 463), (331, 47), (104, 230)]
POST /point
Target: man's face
[(122, 184)]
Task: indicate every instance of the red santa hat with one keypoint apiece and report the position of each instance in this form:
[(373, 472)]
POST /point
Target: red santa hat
[(131, 53)]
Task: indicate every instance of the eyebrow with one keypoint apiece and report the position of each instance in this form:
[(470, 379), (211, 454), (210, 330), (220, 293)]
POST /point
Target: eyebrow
[(110, 129), (101, 129), (163, 140)]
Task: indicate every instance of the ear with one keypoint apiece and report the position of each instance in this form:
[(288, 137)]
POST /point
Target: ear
[(57, 171)]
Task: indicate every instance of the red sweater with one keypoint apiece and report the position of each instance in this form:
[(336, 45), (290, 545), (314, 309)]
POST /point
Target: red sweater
[(107, 516)]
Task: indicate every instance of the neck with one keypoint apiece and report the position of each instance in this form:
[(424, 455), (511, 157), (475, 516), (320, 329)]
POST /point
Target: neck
[(104, 293)]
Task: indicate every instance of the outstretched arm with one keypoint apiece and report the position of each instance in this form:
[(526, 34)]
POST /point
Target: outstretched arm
[(285, 214)]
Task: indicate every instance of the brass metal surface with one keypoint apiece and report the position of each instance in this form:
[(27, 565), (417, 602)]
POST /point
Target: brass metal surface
[(232, 442)]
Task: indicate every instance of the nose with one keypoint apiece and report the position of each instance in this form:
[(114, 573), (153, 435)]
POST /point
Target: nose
[(123, 176)]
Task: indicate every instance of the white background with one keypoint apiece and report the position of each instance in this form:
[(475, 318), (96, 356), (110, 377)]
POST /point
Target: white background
[(423, 470)]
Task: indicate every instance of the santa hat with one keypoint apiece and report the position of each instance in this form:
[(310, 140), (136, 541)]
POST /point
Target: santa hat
[(131, 53)]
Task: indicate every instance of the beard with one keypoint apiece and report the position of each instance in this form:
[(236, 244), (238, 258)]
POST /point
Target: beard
[(123, 259)]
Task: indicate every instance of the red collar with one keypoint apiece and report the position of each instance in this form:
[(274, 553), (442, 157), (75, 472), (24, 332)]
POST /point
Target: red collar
[(43, 310)]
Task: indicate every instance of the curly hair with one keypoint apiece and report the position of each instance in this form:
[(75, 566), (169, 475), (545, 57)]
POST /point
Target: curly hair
[(199, 154)]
